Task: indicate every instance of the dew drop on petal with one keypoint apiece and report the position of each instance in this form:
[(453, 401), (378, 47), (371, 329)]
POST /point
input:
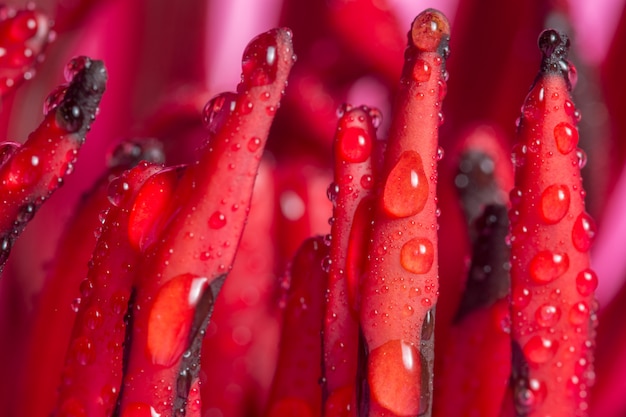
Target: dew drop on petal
[(520, 297), (217, 220), (76, 65), (539, 349), (566, 137), (548, 315), (406, 189), (547, 266), (7, 150), (83, 351), (216, 111), (417, 255), (260, 61), (579, 314), (254, 144), (53, 99), (355, 144), (555, 201), (421, 71), (118, 191), (583, 232), (586, 282)]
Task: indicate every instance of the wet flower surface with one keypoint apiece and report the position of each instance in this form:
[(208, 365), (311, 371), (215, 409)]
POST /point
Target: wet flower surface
[(330, 208)]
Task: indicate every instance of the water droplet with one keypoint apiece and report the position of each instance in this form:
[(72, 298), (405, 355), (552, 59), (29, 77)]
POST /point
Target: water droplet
[(572, 75), (429, 31), (440, 153), (394, 377), (406, 189), (355, 144), (254, 144), (55, 98), (7, 150), (216, 111), (520, 297), (69, 116), (583, 232), (75, 305), (586, 282), (376, 116), (518, 155), (539, 349), (566, 137), (421, 71), (76, 65), (548, 315), (217, 220), (579, 314), (407, 310), (555, 201), (93, 318), (332, 192), (417, 255), (547, 266), (26, 213), (428, 326), (367, 182), (118, 191), (581, 157), (83, 351), (260, 61)]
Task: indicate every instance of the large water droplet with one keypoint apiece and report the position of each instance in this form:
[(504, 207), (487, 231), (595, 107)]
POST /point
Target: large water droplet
[(430, 31), (555, 201), (118, 191), (540, 349), (355, 144), (406, 189), (586, 282), (393, 373), (583, 232), (547, 266), (566, 137), (417, 255), (260, 61)]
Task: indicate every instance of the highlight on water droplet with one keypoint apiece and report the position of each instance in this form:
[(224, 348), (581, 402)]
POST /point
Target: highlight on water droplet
[(583, 232), (547, 266), (520, 296), (579, 314), (216, 111), (554, 203), (566, 137), (540, 349), (417, 255), (406, 189), (394, 377), (118, 191), (355, 144), (83, 351)]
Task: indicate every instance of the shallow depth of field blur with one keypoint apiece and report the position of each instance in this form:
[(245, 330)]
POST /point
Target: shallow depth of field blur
[(166, 60)]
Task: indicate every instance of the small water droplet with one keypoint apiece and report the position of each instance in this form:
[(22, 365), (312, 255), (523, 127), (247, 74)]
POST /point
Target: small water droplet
[(421, 71), (332, 192), (539, 349), (355, 144), (217, 220), (406, 188), (566, 137), (579, 314), (417, 255), (583, 232), (76, 65), (581, 157), (547, 266), (555, 201), (118, 191), (518, 155), (548, 315), (83, 351), (586, 282), (69, 116), (55, 98), (216, 111), (440, 153)]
